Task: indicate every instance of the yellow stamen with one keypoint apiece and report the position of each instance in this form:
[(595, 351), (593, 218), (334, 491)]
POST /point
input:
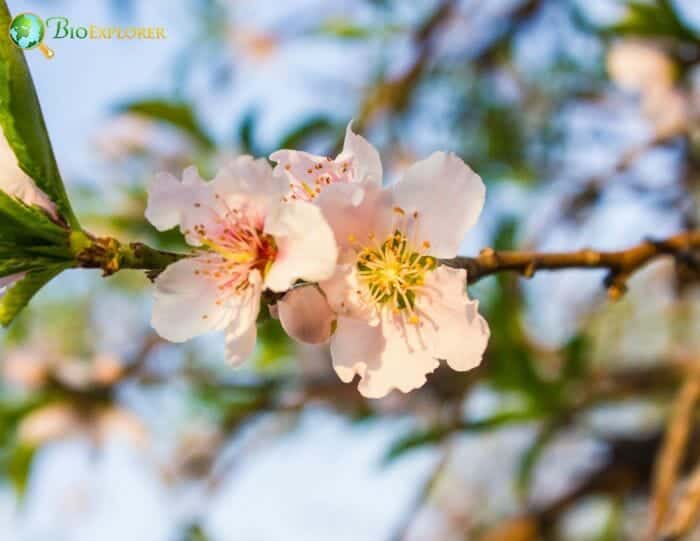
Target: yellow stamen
[(234, 257), (394, 274), (309, 191)]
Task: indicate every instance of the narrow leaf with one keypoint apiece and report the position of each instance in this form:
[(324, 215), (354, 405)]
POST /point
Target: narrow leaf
[(310, 128), (178, 114), (15, 265), (21, 224), (18, 295), (420, 438), (530, 457), (23, 124), (414, 440), (19, 466)]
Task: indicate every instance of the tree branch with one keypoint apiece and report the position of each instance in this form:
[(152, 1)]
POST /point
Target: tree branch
[(112, 256), (396, 93), (620, 264)]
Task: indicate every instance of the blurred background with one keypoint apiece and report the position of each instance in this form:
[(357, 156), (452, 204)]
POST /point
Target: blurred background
[(583, 118)]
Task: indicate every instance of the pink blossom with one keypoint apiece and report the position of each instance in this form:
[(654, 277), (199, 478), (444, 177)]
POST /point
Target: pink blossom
[(306, 175), (398, 311), (247, 241)]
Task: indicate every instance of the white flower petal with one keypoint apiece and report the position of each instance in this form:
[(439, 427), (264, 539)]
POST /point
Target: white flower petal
[(305, 243), (294, 165), (341, 291), (119, 422), (462, 334), (355, 346), (639, 66), (388, 356), (448, 197), (305, 315), (171, 201), (239, 347), (356, 213), (165, 200), (16, 183), (185, 302), (305, 175), (50, 422), (397, 355), (245, 307), (194, 204), (365, 158), (405, 362), (246, 176)]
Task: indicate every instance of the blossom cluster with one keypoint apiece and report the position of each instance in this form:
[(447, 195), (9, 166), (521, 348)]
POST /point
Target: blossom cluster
[(349, 261)]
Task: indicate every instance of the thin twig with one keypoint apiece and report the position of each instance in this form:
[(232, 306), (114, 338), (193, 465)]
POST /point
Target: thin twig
[(395, 94), (620, 264), (593, 187), (687, 511), (672, 452)]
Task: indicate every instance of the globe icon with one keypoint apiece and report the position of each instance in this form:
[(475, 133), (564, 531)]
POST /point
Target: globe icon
[(27, 30)]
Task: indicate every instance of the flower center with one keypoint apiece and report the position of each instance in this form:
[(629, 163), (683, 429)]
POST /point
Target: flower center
[(394, 273), (237, 245), (244, 247)]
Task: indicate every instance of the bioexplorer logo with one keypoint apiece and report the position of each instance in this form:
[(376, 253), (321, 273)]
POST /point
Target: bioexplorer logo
[(28, 30)]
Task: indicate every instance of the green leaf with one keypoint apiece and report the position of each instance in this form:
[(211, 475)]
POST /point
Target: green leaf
[(420, 438), (530, 457), (11, 413), (577, 357), (414, 440), (16, 265), (246, 133), (194, 533), (175, 113), (612, 529), (310, 128), (23, 123), (655, 19), (15, 458), (274, 348), (19, 294), (344, 28), (21, 224), (19, 466)]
